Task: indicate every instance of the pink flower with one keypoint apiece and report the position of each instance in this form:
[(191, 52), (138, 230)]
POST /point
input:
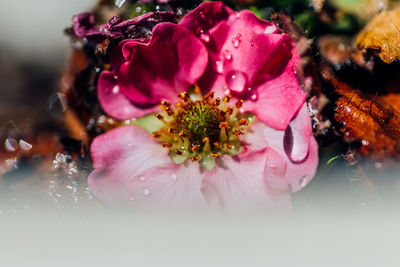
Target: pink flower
[(250, 145)]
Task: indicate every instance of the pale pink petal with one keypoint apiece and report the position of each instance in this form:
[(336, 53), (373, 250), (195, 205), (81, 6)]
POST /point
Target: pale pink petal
[(241, 183), (176, 186), (119, 156), (297, 135), (170, 63), (300, 174), (114, 102)]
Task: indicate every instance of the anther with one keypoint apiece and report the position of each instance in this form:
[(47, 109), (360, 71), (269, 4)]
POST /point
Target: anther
[(166, 145), (227, 98), (224, 124), (195, 148), (171, 130), (178, 152), (238, 132), (196, 158), (217, 102), (239, 104), (182, 134), (215, 155), (159, 116), (217, 144), (205, 140), (229, 110), (209, 95), (184, 96), (243, 121), (156, 135), (228, 146)]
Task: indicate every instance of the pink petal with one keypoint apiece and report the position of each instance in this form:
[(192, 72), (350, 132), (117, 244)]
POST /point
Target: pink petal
[(120, 155), (173, 186), (278, 99), (241, 183), (172, 61), (300, 174), (114, 102), (297, 135), (206, 16)]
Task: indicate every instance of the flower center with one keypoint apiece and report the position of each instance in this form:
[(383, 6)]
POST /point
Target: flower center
[(202, 128)]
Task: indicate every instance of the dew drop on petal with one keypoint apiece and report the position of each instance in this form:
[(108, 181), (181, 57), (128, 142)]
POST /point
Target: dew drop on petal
[(24, 145), (146, 192), (57, 104), (254, 97), (252, 42), (219, 65), (270, 29), (100, 193), (132, 197), (238, 15), (173, 176), (226, 90), (303, 181), (142, 178), (235, 42), (236, 80), (11, 144), (115, 89), (204, 36), (227, 55)]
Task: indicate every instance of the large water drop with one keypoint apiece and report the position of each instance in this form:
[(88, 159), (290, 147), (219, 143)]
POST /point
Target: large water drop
[(236, 80)]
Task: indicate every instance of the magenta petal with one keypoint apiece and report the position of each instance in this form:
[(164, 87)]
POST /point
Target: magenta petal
[(114, 102), (206, 16), (119, 156), (279, 99), (172, 62), (173, 186), (241, 183)]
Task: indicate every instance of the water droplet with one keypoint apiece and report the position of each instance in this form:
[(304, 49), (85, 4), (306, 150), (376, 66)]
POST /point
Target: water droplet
[(294, 69), (119, 3), (252, 42), (132, 197), (227, 91), (238, 15), (142, 178), (173, 176), (205, 37), (11, 144), (146, 192), (219, 66), (57, 104), (100, 193), (115, 89), (227, 55), (254, 97), (236, 80), (378, 165), (235, 42), (303, 181), (114, 20), (348, 109), (270, 29), (25, 145), (364, 142), (130, 144)]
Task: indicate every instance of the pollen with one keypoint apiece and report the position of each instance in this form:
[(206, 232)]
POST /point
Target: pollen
[(201, 128)]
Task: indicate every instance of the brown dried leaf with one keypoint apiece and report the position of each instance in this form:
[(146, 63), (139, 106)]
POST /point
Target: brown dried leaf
[(382, 36), (371, 120)]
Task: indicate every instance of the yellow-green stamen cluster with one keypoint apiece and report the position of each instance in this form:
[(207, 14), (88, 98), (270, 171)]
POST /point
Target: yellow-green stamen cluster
[(201, 128)]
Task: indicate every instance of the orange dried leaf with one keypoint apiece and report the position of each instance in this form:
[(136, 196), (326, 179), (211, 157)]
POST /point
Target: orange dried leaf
[(382, 35), (372, 120)]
